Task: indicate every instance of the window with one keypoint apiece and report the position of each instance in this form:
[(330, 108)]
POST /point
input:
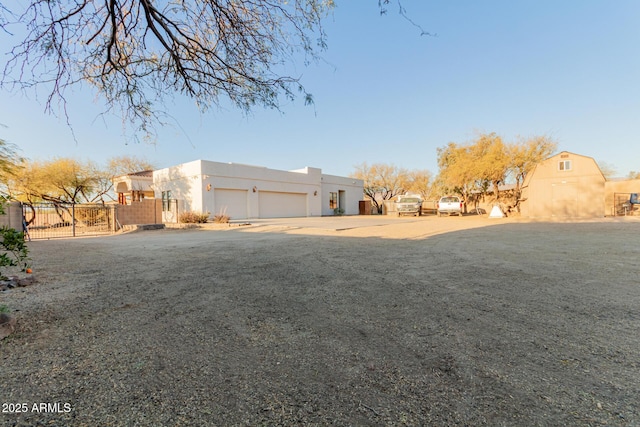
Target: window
[(333, 200), (564, 165), (166, 201)]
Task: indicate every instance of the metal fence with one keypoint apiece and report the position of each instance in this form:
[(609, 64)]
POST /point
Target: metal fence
[(53, 220), (622, 205)]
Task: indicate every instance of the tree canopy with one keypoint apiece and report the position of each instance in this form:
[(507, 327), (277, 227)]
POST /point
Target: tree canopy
[(381, 182), (487, 162), (457, 174), (9, 159), (122, 165), (69, 180), (136, 53), (385, 181)]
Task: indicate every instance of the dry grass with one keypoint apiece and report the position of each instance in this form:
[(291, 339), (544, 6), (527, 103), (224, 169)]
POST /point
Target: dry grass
[(425, 321), (194, 217)]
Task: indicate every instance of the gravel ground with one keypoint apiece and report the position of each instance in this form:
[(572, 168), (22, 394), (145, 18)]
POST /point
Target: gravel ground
[(424, 321)]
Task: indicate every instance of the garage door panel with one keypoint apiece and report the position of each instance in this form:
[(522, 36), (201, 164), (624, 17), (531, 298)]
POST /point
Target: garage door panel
[(564, 200), (282, 205), (232, 202)]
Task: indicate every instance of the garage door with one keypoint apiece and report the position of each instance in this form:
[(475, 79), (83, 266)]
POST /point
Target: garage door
[(233, 202), (282, 205), (565, 200)]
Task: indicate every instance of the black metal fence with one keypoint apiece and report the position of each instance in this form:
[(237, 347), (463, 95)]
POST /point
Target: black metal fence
[(53, 220)]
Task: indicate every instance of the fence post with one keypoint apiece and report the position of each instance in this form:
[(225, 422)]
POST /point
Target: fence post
[(73, 219)]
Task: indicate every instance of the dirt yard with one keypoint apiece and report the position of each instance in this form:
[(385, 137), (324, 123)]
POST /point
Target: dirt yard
[(343, 321)]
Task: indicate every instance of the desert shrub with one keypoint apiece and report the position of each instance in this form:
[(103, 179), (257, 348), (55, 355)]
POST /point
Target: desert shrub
[(13, 250), (193, 217), (338, 211), (221, 218)]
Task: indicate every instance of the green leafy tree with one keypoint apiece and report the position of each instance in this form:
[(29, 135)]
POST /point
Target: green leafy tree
[(13, 250)]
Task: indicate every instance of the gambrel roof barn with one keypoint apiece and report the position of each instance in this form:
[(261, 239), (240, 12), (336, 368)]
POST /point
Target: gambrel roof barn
[(566, 185)]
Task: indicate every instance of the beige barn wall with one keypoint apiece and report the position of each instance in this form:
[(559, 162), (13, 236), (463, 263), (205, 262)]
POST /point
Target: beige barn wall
[(576, 193)]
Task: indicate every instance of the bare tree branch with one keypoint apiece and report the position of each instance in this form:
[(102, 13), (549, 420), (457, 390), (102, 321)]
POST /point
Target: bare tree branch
[(136, 53)]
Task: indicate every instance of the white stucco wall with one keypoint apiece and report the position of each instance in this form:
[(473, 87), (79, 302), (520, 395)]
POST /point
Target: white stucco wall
[(184, 183), (244, 191), (350, 192), (287, 189)]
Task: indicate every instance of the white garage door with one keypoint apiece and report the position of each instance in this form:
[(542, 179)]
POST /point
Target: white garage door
[(282, 205), (233, 202)]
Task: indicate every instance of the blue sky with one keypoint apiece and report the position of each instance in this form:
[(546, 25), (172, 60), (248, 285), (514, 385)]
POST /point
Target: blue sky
[(383, 93)]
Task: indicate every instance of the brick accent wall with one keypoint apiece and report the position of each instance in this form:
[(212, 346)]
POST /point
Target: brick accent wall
[(146, 211)]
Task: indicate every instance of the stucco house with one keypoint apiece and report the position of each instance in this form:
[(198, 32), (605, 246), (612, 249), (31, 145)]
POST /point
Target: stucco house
[(133, 187), (244, 192), (566, 185)]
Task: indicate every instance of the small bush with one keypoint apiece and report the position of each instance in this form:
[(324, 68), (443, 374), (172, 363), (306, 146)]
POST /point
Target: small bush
[(194, 217), (13, 250), (221, 218), (338, 211)]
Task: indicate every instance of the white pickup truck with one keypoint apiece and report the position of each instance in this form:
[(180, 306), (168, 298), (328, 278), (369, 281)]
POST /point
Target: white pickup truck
[(450, 205)]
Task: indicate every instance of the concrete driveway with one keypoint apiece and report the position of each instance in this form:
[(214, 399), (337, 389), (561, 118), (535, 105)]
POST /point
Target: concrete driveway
[(336, 223)]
